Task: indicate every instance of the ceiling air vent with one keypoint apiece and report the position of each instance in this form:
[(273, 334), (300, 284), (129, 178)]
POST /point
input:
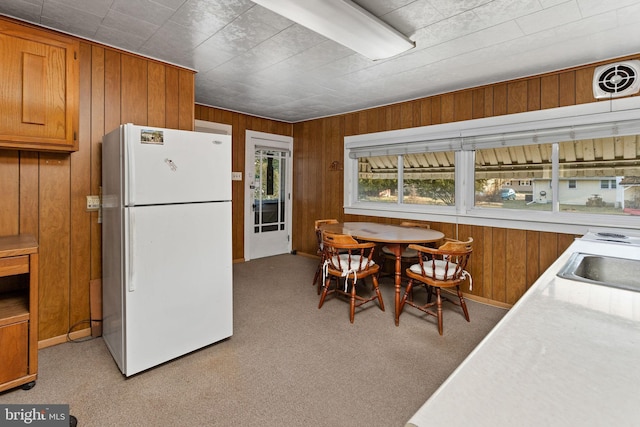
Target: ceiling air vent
[(615, 80)]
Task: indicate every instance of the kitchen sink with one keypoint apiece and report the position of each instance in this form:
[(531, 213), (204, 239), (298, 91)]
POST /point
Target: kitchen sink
[(603, 270)]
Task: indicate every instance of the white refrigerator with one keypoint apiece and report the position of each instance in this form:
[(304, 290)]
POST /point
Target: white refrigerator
[(166, 233)]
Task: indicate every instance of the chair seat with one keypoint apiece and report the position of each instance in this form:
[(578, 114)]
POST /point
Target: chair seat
[(406, 253), (442, 271), (343, 261)]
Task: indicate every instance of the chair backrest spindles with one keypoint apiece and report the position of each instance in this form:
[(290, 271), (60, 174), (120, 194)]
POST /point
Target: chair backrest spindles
[(317, 224), (339, 247)]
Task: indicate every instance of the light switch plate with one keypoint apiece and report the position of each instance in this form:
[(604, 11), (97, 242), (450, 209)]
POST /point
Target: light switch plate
[(93, 203), (236, 176)]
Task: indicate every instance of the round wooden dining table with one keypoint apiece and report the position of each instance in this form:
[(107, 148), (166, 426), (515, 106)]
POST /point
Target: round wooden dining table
[(395, 237)]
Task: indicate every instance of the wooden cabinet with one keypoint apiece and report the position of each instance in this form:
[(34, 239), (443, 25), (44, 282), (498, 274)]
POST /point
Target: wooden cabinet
[(39, 89), (18, 311)]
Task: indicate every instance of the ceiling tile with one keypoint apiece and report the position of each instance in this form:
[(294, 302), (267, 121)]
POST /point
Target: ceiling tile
[(628, 15), (128, 25), (248, 30), (500, 11), (94, 7), (345, 65), (551, 17), (113, 37), (412, 17), (208, 16), (171, 4), (173, 41), (382, 7), (595, 7), (65, 18), (255, 61), (203, 57), (448, 29), (452, 8), (25, 10), (145, 10)]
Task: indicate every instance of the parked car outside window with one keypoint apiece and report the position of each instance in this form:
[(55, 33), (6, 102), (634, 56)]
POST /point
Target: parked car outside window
[(508, 194)]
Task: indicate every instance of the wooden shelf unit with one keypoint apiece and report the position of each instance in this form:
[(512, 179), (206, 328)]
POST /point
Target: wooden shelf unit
[(18, 311)]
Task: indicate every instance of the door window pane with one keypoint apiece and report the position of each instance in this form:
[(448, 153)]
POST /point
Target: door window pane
[(269, 192)]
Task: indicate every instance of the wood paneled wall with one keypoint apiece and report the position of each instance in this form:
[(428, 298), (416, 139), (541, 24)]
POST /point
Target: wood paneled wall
[(240, 124), (505, 262), (45, 193)]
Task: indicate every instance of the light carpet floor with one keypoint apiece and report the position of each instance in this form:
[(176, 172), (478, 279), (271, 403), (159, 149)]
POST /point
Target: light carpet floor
[(287, 364)]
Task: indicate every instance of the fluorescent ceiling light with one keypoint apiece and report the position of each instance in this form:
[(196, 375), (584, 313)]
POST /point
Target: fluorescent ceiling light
[(344, 22)]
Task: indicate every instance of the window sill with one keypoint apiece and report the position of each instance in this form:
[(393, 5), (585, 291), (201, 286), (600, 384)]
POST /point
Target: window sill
[(556, 222)]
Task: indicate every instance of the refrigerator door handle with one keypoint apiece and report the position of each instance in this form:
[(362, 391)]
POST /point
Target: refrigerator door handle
[(132, 226)]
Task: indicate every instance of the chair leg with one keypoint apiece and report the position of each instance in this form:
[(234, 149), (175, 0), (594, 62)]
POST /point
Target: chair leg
[(408, 291), (319, 287), (439, 310), (377, 289), (352, 303), (463, 304), (317, 275), (324, 291)]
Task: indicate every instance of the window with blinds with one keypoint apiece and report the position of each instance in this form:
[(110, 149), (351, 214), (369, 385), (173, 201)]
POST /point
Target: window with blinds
[(571, 164)]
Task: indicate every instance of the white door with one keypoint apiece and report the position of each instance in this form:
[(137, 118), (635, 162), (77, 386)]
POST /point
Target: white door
[(268, 195)]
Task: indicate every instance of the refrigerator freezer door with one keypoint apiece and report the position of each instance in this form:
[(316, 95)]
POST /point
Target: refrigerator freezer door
[(172, 166), (178, 281)]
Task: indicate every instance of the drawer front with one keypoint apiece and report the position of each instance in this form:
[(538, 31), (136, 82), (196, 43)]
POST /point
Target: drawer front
[(14, 265), (14, 351)]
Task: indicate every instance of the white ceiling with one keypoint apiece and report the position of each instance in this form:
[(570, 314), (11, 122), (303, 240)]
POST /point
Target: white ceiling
[(256, 62)]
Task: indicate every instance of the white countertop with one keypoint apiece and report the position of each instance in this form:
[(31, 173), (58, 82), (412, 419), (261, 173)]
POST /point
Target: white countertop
[(567, 354)]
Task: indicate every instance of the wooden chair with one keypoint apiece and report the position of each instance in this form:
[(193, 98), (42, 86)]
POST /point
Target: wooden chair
[(346, 258), (319, 251), (409, 256), (443, 267)]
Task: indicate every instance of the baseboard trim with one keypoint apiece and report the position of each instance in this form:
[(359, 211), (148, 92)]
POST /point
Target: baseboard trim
[(306, 255), (61, 339), (481, 300)]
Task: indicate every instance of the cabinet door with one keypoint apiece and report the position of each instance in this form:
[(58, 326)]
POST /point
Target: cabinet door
[(39, 87), (13, 351)]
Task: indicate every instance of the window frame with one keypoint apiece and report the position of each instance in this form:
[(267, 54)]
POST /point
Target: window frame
[(604, 118)]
